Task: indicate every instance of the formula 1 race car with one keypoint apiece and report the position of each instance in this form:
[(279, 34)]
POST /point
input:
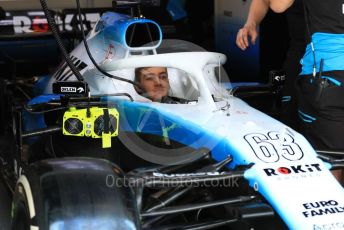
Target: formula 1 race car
[(92, 149)]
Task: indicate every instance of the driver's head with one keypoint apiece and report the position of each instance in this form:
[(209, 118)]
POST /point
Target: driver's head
[(153, 81)]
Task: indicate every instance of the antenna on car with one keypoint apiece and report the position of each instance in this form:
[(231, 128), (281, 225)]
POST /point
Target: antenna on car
[(134, 6)]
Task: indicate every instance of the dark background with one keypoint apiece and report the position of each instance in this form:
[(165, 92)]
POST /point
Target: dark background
[(28, 55)]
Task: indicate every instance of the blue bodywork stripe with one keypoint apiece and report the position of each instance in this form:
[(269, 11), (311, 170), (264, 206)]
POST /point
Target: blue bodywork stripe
[(143, 118), (33, 121), (44, 99), (41, 84)]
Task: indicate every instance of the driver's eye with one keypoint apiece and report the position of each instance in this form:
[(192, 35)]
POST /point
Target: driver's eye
[(148, 77), (163, 76)]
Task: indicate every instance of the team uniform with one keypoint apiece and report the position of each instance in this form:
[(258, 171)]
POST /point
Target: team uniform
[(297, 44), (320, 84)]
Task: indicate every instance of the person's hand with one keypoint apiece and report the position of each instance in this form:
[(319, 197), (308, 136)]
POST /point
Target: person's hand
[(249, 30)]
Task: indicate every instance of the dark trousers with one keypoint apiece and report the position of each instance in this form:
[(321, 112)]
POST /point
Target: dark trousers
[(321, 110), (292, 67)]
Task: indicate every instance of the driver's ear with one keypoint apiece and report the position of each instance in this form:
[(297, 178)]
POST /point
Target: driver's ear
[(138, 88)]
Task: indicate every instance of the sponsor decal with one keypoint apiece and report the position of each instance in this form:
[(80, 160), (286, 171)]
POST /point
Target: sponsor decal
[(294, 171), (187, 174), (35, 21), (109, 53), (321, 208), (331, 226), (39, 24), (187, 178), (273, 146), (297, 169), (68, 89), (80, 90)]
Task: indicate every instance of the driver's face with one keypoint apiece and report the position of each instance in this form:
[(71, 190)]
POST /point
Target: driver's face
[(154, 80)]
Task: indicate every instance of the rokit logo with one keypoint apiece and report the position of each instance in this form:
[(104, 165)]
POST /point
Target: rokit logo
[(35, 21), (321, 208), (293, 170)]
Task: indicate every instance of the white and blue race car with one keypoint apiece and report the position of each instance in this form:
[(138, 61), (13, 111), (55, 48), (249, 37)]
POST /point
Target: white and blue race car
[(96, 153)]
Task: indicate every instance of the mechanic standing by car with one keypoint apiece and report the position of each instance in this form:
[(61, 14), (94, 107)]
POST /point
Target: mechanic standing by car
[(320, 83), (291, 65)]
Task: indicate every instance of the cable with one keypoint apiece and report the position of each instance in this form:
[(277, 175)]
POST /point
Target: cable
[(30, 110), (51, 23), (310, 37)]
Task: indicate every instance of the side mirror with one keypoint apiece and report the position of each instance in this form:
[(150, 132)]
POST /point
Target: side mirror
[(277, 79), (273, 87), (259, 95)]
